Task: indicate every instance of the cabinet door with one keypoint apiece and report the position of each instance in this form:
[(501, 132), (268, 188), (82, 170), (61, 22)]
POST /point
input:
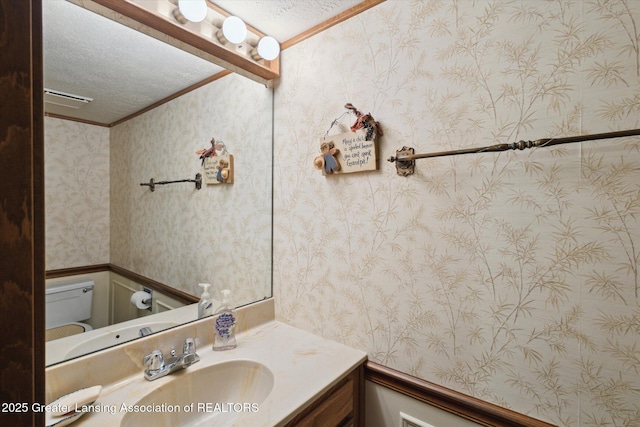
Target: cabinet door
[(339, 407)]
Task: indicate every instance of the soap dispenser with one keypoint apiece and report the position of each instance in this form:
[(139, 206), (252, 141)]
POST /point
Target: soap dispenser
[(205, 306), (225, 338)]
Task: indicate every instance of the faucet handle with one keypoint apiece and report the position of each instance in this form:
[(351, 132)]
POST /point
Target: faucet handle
[(189, 355), (189, 346), (145, 331), (154, 360)]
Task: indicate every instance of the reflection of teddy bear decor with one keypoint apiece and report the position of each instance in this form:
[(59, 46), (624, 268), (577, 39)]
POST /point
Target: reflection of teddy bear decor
[(353, 151), (223, 171), (217, 163)]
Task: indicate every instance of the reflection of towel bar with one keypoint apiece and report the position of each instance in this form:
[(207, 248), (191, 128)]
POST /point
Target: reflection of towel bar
[(152, 184)]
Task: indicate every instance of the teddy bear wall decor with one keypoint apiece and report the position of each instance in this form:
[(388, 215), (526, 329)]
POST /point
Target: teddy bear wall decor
[(217, 163), (353, 151)]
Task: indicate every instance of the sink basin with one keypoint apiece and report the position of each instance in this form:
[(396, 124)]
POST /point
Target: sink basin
[(113, 337), (219, 394)]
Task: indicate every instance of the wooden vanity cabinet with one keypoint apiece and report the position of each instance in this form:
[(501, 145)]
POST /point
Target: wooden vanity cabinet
[(341, 406)]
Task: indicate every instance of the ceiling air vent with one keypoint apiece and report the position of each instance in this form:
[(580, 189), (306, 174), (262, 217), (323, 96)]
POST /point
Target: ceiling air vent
[(65, 99)]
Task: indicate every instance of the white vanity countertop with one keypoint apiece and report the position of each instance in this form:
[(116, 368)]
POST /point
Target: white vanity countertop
[(304, 366)]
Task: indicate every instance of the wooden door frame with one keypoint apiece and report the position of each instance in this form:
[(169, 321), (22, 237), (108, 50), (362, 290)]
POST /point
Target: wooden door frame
[(22, 268)]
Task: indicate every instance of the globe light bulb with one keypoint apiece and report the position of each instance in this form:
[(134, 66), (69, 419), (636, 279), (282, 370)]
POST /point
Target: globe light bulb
[(268, 48), (234, 29), (193, 10)]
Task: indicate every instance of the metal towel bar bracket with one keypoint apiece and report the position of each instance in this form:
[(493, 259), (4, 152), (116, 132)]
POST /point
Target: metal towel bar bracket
[(152, 184)]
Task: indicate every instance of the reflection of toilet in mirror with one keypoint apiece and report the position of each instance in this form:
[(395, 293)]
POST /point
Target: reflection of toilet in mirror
[(67, 305)]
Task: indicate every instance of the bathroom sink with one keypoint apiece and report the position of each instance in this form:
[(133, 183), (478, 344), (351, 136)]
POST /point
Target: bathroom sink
[(112, 337), (208, 395)]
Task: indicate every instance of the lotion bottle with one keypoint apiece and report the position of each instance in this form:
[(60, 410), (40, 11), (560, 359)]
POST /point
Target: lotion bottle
[(225, 323), (205, 305)]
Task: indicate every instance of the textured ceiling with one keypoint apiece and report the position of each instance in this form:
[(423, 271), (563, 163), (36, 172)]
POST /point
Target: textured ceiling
[(285, 19), (125, 71)]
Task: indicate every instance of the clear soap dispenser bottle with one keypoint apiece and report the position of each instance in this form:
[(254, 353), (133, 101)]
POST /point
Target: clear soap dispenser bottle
[(205, 305), (225, 338)]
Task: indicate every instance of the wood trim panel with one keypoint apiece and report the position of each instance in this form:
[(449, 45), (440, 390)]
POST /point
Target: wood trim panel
[(176, 294), (359, 398), (344, 401), (349, 13), (471, 408), (22, 342), (38, 194), (74, 271), (73, 119), (195, 86), (178, 94)]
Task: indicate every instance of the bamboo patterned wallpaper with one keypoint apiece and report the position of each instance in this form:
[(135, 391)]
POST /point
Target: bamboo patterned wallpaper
[(97, 212), (512, 277), (77, 194), (180, 236)]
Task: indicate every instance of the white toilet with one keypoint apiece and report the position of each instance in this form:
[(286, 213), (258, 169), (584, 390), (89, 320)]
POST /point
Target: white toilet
[(67, 304)]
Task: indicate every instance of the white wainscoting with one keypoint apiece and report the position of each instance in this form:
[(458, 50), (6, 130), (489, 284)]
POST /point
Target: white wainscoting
[(120, 307), (383, 407)]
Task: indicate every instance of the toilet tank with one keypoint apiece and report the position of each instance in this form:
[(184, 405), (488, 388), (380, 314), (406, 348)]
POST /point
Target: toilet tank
[(68, 302)]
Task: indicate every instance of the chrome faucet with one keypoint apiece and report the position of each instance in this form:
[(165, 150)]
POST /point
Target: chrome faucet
[(158, 367)]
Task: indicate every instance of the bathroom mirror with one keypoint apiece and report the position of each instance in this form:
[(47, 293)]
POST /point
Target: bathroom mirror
[(177, 235)]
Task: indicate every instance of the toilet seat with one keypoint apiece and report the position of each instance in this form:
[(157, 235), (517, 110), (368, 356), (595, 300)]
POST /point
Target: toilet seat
[(66, 330)]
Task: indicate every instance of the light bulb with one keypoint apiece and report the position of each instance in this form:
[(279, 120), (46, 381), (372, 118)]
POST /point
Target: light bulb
[(193, 10), (234, 29), (268, 48)]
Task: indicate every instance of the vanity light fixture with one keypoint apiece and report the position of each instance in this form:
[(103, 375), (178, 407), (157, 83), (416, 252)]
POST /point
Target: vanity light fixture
[(233, 31), (201, 27), (268, 48), (191, 10)]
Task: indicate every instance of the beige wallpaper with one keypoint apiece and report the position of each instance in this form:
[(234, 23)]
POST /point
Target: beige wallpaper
[(181, 236), (76, 194), (512, 277)]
